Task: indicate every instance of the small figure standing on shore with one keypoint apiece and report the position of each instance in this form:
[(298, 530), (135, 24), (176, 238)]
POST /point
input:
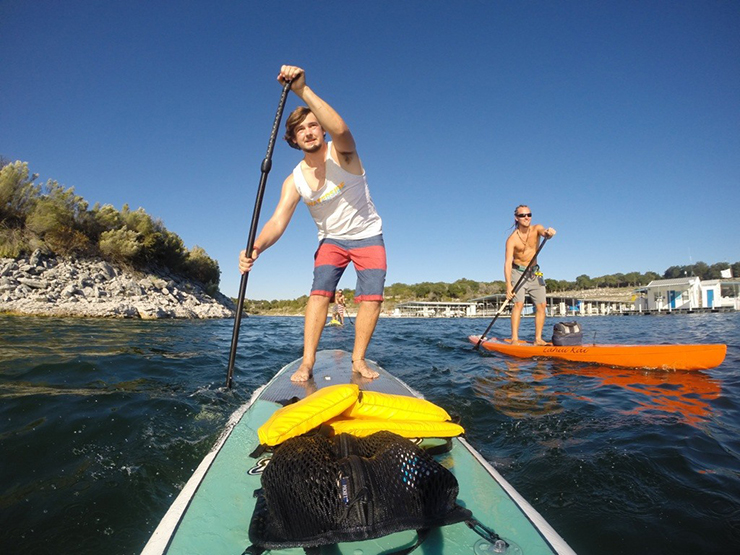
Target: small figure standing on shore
[(521, 247), (331, 181)]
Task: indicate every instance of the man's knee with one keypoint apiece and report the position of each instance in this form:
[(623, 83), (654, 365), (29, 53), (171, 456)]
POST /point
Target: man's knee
[(319, 299)]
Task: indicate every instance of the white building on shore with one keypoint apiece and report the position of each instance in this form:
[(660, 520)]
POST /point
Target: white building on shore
[(689, 294), (673, 294), (717, 293)]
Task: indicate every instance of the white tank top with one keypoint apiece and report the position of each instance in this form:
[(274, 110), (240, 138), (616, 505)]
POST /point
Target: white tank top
[(342, 208)]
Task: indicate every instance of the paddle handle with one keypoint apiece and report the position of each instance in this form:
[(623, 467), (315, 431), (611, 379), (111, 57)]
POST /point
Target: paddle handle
[(265, 168), (519, 283)]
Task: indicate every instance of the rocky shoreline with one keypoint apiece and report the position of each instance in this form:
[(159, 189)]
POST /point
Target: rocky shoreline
[(42, 285)]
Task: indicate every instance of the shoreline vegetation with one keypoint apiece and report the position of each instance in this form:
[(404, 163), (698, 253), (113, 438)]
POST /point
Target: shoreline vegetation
[(54, 221), (614, 287), (60, 258)]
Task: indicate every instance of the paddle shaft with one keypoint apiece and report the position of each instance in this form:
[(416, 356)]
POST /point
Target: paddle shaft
[(519, 283), (265, 167)]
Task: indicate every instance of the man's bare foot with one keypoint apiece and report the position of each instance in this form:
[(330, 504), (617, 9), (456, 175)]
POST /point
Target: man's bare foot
[(360, 366), (515, 341), (303, 374), (541, 343)]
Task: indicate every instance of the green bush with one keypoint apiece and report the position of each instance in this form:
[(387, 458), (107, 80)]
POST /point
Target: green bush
[(46, 216), (17, 193), (120, 245), (13, 243), (202, 268), (60, 221), (107, 217), (67, 241)]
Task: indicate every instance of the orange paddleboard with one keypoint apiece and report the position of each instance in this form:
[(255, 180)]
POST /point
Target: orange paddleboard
[(673, 357)]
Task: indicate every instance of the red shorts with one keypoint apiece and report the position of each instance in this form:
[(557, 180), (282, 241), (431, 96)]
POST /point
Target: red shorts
[(332, 258)]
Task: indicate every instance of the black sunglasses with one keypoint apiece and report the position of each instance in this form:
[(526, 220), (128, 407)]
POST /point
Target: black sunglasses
[(529, 215)]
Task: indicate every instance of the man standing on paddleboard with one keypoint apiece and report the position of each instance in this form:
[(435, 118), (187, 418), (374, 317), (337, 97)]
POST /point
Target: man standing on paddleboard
[(521, 247), (331, 182), (339, 306)]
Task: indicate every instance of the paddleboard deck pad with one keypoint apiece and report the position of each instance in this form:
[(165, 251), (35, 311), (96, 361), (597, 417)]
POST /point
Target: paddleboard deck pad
[(667, 357), (213, 511)]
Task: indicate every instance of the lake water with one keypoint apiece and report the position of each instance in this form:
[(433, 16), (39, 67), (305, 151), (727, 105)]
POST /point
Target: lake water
[(103, 421)]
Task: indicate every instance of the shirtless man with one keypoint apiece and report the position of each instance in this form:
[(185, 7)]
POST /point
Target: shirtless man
[(520, 248), (331, 181), (339, 307)]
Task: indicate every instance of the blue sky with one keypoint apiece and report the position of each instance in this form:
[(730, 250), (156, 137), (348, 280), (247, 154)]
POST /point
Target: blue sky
[(617, 123)]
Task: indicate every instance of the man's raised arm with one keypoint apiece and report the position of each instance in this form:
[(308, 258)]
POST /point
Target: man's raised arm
[(327, 117)]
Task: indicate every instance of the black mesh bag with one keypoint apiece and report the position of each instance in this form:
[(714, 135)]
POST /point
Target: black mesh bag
[(567, 334), (319, 491)]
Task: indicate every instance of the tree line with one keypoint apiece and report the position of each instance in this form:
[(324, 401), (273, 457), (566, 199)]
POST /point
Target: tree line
[(466, 289), (58, 221)]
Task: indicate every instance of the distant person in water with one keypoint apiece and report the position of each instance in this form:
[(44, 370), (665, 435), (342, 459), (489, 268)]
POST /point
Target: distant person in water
[(521, 247), (330, 179), (339, 306)]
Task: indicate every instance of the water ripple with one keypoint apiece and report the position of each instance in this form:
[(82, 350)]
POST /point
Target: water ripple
[(103, 414)]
